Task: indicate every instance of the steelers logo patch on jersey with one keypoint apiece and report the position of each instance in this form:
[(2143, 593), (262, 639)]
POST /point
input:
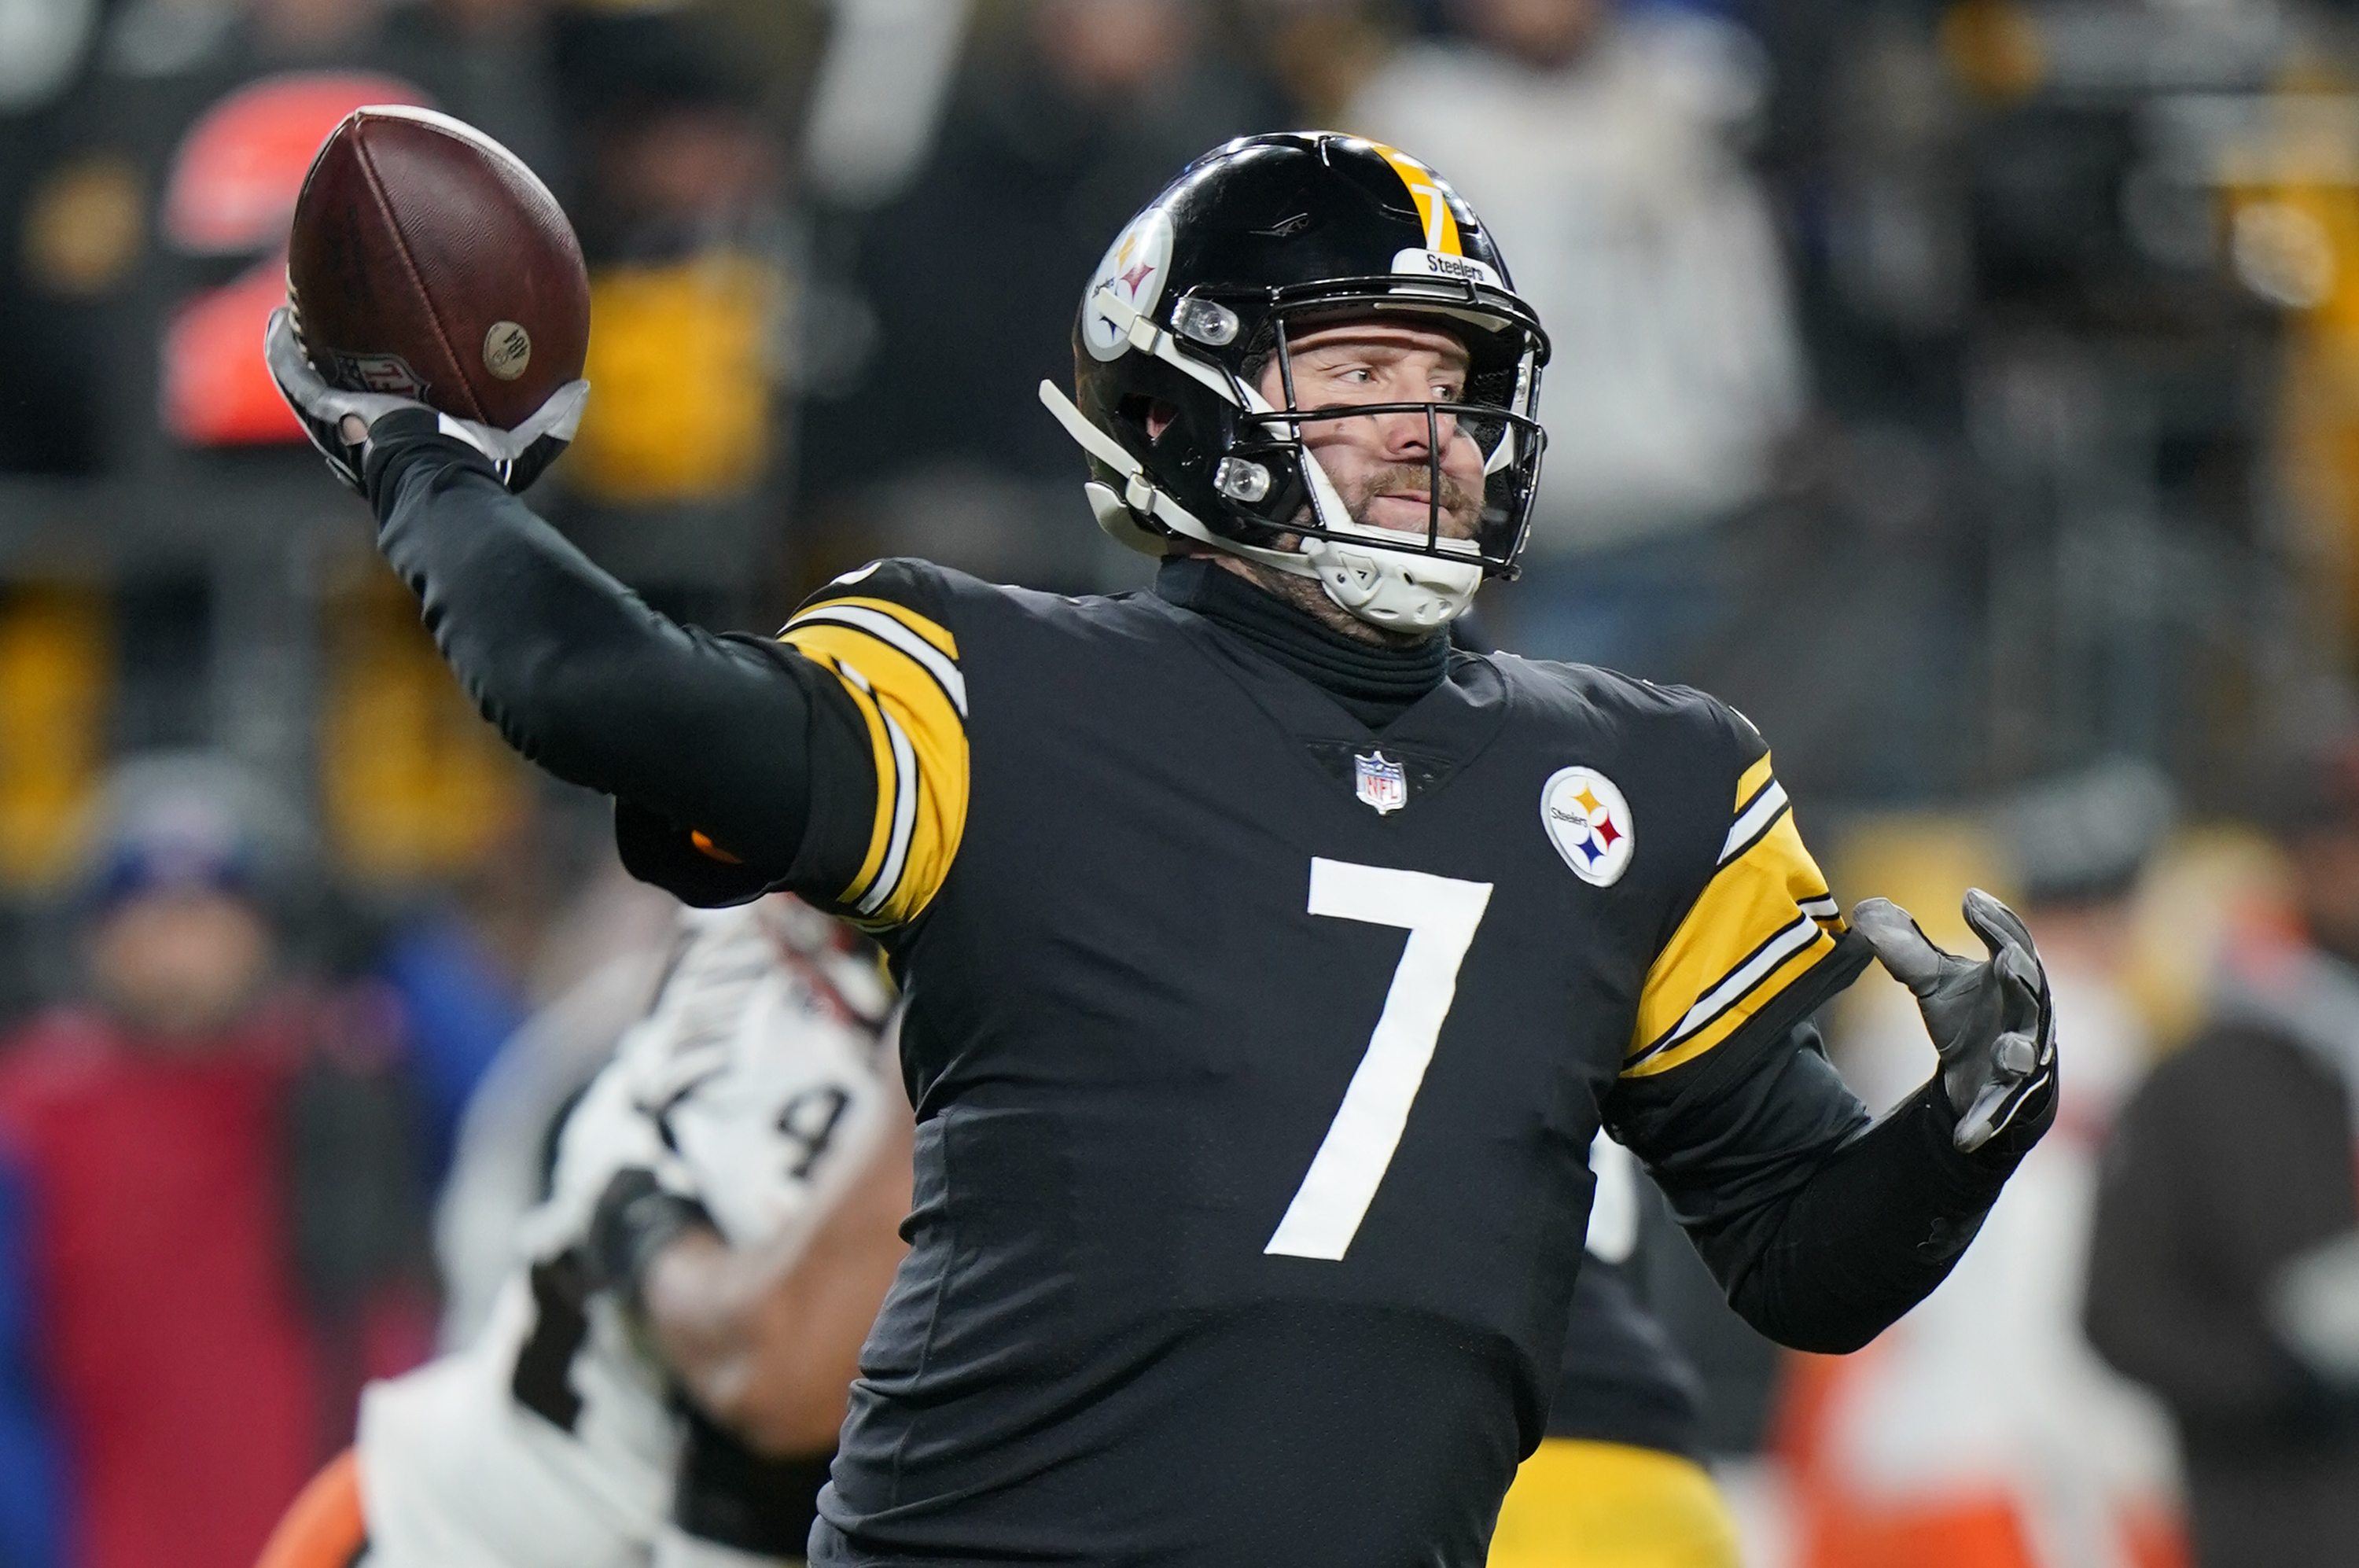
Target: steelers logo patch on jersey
[(1132, 274), (1589, 822)]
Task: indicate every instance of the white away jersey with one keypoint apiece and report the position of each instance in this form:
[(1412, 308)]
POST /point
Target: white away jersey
[(755, 1086)]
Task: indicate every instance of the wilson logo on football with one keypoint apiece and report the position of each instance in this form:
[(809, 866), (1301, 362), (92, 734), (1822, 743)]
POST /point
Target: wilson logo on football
[(507, 349)]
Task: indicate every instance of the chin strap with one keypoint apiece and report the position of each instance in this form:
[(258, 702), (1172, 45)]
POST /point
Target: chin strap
[(1139, 496), (1392, 589)]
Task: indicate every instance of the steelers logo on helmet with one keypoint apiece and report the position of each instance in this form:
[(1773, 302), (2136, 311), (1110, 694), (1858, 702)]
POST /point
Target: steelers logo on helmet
[(1589, 822), (1133, 271)]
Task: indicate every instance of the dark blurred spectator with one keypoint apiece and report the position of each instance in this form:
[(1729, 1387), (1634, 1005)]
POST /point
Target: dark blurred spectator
[(1323, 51), (486, 953), (1599, 142), (2225, 1269), (682, 217), (31, 1486), (42, 43), (461, 996), (217, 1230), (1065, 122)]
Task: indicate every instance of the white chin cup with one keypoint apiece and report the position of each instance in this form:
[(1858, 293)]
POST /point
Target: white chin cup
[(1390, 588)]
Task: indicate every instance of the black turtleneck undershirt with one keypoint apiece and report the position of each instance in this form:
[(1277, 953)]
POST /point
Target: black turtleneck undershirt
[(1375, 683)]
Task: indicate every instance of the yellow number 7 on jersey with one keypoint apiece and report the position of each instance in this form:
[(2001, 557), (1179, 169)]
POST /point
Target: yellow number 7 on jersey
[(1440, 913)]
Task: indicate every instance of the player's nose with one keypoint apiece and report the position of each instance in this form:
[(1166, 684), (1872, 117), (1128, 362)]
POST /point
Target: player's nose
[(1411, 432)]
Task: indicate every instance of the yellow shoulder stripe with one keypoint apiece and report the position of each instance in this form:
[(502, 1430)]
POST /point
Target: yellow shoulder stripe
[(896, 627), (881, 748), (1749, 782), (893, 664), (1425, 190), (939, 637), (1763, 920)]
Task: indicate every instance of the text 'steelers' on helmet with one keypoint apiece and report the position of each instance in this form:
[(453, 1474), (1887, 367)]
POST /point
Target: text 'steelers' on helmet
[(1252, 247)]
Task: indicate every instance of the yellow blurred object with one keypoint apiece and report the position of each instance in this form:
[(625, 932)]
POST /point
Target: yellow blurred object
[(1992, 46), (1606, 1505), (680, 380), (1924, 862), (2289, 207), (2199, 887), (57, 669), (413, 782), (84, 226)]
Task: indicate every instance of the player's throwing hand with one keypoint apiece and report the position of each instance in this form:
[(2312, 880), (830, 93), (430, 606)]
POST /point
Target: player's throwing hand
[(348, 427), (1992, 1021)]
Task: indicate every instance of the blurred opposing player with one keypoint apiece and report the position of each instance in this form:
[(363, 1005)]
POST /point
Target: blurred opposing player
[(663, 1377), (1271, 969)]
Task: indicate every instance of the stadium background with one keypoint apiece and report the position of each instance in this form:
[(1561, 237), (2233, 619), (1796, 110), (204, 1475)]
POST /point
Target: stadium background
[(1970, 393)]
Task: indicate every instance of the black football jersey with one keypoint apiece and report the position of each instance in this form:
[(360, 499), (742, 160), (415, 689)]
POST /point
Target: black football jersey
[(1257, 1057)]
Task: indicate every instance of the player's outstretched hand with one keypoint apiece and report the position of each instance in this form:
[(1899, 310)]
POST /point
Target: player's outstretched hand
[(636, 1218), (348, 426), (1992, 1022)]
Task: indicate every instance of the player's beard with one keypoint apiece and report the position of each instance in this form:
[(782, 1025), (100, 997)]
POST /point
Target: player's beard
[(1459, 510), (1461, 507)]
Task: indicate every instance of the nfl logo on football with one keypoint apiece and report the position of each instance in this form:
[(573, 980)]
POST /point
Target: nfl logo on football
[(381, 373), (1380, 781)]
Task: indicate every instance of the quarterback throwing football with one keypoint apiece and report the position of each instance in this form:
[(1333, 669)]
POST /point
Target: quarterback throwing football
[(1270, 965)]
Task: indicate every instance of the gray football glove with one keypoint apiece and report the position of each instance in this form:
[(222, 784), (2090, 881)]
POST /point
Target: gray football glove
[(1992, 1022), (341, 423)]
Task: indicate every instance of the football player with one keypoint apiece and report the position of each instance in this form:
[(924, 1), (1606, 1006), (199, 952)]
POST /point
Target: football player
[(662, 1378), (1270, 966)]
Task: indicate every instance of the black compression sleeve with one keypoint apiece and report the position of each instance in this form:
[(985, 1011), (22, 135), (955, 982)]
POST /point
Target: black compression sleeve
[(1870, 1234), (738, 738), (1822, 1227)]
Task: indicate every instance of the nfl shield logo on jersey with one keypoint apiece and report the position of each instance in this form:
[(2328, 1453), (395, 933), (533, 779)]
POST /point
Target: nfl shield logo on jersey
[(1381, 782), (1589, 822)]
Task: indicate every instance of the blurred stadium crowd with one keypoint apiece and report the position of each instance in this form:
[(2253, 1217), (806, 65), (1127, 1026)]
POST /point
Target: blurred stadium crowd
[(1969, 392)]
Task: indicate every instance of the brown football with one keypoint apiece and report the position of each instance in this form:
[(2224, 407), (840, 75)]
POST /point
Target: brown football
[(426, 260)]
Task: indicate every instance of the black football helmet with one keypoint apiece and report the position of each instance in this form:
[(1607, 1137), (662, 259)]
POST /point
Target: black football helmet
[(1252, 246)]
